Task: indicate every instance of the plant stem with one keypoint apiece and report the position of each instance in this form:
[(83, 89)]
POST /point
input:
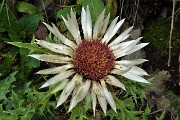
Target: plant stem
[(170, 37)]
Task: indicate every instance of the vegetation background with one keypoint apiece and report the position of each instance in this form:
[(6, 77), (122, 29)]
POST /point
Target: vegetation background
[(21, 22)]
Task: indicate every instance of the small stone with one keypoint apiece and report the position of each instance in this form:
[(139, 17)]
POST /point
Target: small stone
[(157, 84), (162, 103)]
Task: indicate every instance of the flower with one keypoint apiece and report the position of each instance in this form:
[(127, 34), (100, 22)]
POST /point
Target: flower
[(87, 64)]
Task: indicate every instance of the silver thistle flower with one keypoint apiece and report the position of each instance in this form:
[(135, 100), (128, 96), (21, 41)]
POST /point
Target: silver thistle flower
[(88, 63)]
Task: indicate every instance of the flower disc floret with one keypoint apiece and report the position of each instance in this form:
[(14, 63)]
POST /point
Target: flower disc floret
[(93, 59)]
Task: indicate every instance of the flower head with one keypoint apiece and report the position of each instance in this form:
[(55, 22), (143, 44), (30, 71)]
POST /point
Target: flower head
[(87, 64)]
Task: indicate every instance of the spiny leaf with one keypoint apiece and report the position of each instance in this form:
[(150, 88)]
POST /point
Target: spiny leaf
[(78, 112), (15, 100), (146, 113), (134, 89), (5, 85), (27, 61), (30, 46), (125, 110)]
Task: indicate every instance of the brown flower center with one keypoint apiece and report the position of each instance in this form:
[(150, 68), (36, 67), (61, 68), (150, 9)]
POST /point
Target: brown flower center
[(93, 59)]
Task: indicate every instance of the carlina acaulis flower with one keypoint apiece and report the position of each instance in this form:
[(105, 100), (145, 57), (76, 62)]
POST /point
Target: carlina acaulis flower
[(88, 63)]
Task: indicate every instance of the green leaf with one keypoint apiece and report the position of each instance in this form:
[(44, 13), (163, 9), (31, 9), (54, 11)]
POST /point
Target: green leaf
[(28, 8), (1, 5), (40, 100), (162, 116), (6, 63), (27, 61), (177, 118), (78, 112), (63, 12), (63, 27), (2, 29), (29, 23), (134, 89), (15, 101), (125, 110), (111, 114), (31, 46), (9, 22), (88, 102), (95, 6), (5, 85), (175, 103), (78, 9), (112, 8), (27, 116), (14, 37), (6, 115), (146, 113), (23, 88)]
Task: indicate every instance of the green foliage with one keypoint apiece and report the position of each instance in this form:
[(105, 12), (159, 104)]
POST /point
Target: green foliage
[(31, 46), (28, 24), (177, 118), (19, 98), (146, 113), (63, 12), (112, 8), (9, 23), (63, 26), (28, 61), (78, 113), (29, 8), (95, 11), (125, 110), (161, 117), (157, 33), (22, 101), (175, 102), (1, 5), (5, 85), (17, 29), (134, 89), (6, 63)]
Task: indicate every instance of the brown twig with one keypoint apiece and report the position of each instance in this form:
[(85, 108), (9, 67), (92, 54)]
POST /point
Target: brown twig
[(170, 37), (122, 3), (174, 13), (163, 109), (137, 7), (44, 10)]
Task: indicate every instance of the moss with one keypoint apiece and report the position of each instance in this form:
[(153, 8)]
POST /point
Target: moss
[(157, 33)]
